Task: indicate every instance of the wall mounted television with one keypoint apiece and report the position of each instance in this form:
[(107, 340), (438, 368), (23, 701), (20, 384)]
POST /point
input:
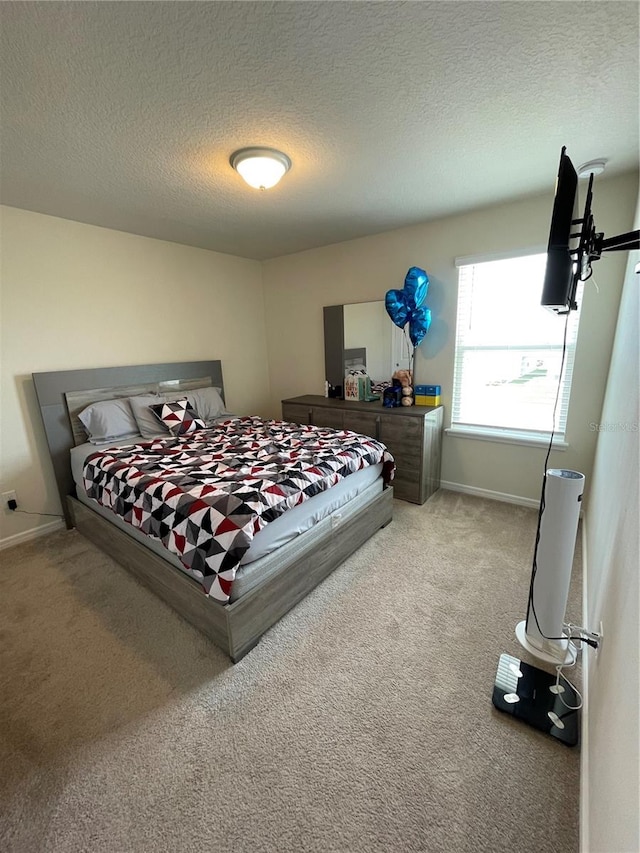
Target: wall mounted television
[(574, 242)]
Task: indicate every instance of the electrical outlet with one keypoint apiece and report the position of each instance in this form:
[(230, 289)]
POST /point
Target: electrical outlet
[(601, 632), (9, 496)]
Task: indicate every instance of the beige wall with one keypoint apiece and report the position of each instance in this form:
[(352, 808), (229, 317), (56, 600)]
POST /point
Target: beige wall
[(78, 296), (611, 749), (298, 286)]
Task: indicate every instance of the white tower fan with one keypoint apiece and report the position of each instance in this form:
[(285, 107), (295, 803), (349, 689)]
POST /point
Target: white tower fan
[(540, 633)]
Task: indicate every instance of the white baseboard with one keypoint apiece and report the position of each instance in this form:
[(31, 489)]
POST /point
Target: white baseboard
[(584, 733), (491, 495), (27, 535)]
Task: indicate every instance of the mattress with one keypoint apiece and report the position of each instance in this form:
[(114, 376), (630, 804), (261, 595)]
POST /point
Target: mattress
[(352, 492)]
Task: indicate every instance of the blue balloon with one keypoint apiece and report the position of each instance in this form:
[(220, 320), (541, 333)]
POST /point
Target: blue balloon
[(419, 323), (416, 283), (397, 308)]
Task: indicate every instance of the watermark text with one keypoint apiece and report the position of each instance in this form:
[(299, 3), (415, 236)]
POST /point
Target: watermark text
[(614, 426)]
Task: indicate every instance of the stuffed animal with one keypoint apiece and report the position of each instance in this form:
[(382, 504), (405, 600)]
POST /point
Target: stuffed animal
[(404, 378)]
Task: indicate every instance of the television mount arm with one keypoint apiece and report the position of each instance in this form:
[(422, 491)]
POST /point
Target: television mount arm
[(592, 243), (621, 243)]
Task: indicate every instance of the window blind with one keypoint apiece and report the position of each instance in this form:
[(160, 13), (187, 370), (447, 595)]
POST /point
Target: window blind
[(508, 354)]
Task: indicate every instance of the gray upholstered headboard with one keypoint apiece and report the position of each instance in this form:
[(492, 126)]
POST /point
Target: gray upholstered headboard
[(107, 382)]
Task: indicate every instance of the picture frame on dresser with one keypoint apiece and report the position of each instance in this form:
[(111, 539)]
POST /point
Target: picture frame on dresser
[(412, 434)]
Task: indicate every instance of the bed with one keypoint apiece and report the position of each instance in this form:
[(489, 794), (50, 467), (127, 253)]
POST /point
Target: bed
[(278, 563)]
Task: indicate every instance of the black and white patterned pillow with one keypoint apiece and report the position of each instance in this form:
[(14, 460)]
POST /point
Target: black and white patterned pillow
[(178, 417)]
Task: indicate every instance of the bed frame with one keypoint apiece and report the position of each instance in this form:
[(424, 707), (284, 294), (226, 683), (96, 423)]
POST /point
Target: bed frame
[(235, 627)]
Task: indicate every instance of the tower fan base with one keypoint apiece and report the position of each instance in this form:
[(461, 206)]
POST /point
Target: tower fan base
[(566, 653)]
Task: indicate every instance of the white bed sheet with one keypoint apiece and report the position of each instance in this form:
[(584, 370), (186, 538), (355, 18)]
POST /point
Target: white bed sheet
[(277, 533)]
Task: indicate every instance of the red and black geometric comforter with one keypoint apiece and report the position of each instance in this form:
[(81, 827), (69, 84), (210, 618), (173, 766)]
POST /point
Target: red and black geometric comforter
[(206, 495)]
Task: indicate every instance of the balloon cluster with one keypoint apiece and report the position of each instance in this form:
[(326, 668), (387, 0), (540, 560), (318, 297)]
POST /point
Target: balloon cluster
[(405, 306)]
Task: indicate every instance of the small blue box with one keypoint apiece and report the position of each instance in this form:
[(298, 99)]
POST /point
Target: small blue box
[(427, 390), (392, 397)]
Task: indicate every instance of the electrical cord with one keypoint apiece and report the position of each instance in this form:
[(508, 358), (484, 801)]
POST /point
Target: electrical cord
[(570, 636), (559, 674), (26, 512), (590, 637), (534, 567)]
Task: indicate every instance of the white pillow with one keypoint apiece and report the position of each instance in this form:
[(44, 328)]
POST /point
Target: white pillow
[(148, 424), (207, 403), (108, 420)]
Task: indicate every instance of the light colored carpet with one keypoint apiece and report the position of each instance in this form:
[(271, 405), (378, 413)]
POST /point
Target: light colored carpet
[(362, 722)]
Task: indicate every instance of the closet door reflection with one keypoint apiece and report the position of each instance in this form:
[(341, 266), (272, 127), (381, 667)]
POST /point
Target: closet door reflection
[(367, 327)]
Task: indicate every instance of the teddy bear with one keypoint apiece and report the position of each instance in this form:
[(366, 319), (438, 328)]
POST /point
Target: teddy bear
[(405, 380)]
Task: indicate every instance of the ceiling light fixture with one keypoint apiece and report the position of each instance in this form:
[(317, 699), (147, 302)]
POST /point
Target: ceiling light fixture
[(593, 167), (261, 168)]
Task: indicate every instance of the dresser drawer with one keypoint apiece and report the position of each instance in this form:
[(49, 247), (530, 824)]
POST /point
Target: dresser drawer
[(400, 428), (327, 418), (406, 485), (405, 457), (296, 414), (403, 437), (363, 423)]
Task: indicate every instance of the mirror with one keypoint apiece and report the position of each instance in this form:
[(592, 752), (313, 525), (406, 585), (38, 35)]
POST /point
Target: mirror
[(362, 334)]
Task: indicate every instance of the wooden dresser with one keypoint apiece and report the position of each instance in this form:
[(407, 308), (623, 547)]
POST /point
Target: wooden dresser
[(413, 435)]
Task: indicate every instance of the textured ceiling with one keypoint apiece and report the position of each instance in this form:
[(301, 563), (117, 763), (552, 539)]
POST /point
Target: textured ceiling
[(124, 114)]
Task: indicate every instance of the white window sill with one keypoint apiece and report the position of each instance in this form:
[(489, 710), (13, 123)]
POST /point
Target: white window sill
[(512, 437)]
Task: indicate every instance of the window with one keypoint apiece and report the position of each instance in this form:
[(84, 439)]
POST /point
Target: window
[(508, 354)]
